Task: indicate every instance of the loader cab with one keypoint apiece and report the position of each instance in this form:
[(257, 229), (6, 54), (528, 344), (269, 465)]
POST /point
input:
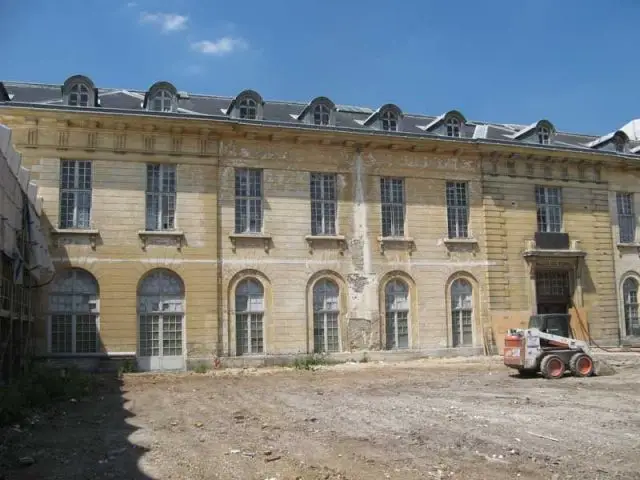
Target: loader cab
[(553, 323)]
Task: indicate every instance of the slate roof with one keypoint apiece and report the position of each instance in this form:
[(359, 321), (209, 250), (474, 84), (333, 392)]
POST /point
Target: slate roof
[(287, 113)]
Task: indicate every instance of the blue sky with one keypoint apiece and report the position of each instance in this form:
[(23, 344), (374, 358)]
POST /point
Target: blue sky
[(574, 62)]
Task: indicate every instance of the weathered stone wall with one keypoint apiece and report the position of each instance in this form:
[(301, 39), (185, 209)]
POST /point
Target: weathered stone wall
[(212, 261)]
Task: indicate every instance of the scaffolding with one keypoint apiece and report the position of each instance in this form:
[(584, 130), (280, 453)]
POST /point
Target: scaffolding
[(25, 264)]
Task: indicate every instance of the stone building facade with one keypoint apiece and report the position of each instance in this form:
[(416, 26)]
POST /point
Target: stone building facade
[(189, 227)]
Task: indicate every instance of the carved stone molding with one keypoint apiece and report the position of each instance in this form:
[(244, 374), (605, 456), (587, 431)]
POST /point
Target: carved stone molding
[(161, 238), (76, 236), (317, 239)]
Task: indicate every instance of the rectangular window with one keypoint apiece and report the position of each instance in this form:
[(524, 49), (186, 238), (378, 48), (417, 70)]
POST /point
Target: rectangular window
[(74, 333), (392, 202), (75, 194), (457, 210), (161, 197), (248, 201), (323, 204), (549, 209), (626, 217)]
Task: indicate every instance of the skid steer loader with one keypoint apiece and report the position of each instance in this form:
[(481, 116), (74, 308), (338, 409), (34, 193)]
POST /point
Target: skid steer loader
[(548, 346)]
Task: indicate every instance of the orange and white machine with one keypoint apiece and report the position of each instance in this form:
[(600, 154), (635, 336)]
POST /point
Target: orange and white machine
[(547, 347)]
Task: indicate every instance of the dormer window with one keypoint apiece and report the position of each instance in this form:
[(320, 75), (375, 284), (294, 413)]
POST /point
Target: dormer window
[(453, 127), (321, 114), (79, 91), (248, 105), (248, 108), (162, 101), (79, 95), (544, 136), (389, 121)]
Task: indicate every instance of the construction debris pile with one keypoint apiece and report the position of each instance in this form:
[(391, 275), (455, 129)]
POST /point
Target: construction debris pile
[(25, 262)]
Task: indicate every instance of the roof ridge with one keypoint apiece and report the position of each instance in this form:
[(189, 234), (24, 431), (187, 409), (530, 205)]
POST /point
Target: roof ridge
[(510, 126)]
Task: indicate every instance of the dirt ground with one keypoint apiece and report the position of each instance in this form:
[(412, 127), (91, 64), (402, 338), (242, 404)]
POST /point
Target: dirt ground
[(456, 418)]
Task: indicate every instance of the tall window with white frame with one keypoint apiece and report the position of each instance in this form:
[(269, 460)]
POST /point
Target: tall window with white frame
[(393, 206), (248, 214), (458, 209), (326, 313), (249, 317), (321, 114), (73, 313), (323, 203), (549, 209), (162, 101), (161, 197), (75, 193), (453, 127), (396, 300), (630, 299), (79, 95), (461, 313), (248, 109), (544, 136), (626, 217), (389, 121)]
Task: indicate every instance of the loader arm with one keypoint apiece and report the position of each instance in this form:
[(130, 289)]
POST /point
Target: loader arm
[(564, 342)]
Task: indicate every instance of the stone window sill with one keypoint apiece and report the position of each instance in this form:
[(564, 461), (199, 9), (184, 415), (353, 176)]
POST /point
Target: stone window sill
[(408, 242), (265, 237), (161, 238), (627, 247), (340, 239), (628, 244), (91, 234), (460, 241)]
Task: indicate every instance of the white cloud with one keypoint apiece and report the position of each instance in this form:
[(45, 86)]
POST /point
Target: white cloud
[(221, 46), (168, 22)]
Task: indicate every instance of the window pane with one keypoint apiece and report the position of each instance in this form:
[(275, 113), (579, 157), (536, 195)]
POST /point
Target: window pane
[(86, 334), (61, 333)]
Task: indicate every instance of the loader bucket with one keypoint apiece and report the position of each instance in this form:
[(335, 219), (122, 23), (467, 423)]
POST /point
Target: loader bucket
[(602, 368)]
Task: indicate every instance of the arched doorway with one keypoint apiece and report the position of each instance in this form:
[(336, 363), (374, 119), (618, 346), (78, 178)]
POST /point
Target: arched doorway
[(74, 313), (161, 321), (396, 300), (326, 315)]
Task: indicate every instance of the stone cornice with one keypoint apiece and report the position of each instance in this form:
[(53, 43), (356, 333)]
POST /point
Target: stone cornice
[(222, 128)]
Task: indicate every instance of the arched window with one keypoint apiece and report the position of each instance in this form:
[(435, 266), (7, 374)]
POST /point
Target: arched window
[(389, 121), (249, 317), (321, 114), (396, 300), (73, 308), (79, 95), (161, 315), (544, 136), (326, 314), (453, 127), (462, 313), (630, 299), (162, 101), (248, 108)]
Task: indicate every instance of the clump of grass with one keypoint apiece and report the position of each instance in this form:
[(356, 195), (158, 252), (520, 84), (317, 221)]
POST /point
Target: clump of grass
[(127, 366), (201, 368), (365, 358), (39, 388), (309, 362)]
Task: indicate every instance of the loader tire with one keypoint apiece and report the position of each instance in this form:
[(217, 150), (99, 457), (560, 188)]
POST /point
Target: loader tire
[(552, 367), (581, 365)]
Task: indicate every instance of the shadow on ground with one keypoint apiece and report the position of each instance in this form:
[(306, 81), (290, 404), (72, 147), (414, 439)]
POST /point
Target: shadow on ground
[(76, 439)]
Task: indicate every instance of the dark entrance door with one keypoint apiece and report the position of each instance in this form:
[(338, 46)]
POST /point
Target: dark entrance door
[(553, 291)]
